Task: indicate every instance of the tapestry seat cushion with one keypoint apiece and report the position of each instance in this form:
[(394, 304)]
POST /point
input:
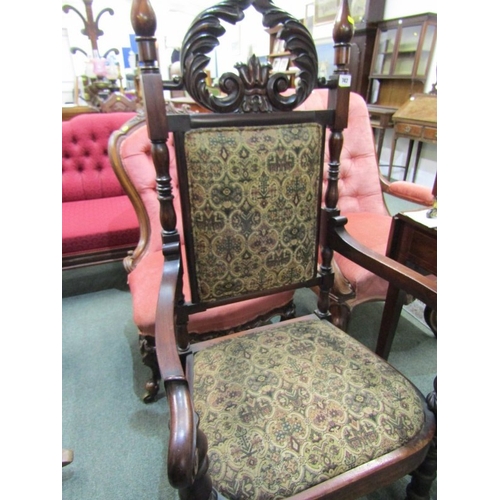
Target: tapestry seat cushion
[(98, 224), (277, 424)]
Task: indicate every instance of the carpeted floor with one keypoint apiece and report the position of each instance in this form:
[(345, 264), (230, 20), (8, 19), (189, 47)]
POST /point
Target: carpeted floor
[(118, 441)]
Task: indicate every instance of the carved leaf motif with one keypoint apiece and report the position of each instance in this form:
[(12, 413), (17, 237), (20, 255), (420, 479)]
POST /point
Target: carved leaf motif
[(252, 90)]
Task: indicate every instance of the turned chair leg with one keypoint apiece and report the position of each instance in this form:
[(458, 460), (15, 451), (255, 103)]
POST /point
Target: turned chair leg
[(201, 489), (148, 353), (422, 478)]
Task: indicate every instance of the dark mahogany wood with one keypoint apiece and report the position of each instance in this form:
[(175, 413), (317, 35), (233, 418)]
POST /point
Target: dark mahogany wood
[(415, 245), (254, 89), (256, 96)]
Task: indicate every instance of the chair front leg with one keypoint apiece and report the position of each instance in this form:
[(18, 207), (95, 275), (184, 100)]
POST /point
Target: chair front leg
[(422, 478), (148, 353), (201, 489)]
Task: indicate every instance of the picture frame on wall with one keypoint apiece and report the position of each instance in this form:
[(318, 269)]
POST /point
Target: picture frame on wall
[(309, 16), (325, 11)]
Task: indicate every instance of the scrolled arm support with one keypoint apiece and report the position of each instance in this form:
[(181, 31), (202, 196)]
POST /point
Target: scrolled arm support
[(182, 456)]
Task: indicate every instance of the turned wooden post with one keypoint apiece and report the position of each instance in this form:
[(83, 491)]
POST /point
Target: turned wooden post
[(422, 479), (143, 21), (187, 456), (338, 99)]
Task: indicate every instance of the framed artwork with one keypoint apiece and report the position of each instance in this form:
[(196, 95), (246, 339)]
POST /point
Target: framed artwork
[(309, 17), (325, 11), (358, 10)]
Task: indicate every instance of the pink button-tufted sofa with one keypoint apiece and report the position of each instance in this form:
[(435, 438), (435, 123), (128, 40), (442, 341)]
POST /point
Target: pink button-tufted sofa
[(99, 223)]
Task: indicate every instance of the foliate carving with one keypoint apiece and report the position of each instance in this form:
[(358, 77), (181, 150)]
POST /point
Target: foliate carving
[(254, 89)]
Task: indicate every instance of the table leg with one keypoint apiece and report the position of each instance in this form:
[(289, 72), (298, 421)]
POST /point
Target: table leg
[(391, 161), (408, 157), (390, 318), (417, 159), (380, 143)]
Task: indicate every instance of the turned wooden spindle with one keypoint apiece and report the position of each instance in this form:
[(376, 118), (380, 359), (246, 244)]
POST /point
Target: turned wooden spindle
[(187, 455), (338, 97)]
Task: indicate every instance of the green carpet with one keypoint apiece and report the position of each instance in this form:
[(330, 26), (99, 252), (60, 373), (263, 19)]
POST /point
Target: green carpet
[(118, 441)]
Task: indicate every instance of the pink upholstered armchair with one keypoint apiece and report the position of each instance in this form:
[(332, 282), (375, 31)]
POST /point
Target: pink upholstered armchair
[(130, 154), (362, 202)]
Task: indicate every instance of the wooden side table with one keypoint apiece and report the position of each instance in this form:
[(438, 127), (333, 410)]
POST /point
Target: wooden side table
[(413, 242), (380, 120), (416, 120)]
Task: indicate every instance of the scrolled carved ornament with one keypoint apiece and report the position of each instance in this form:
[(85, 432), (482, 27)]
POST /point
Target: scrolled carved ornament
[(254, 89)]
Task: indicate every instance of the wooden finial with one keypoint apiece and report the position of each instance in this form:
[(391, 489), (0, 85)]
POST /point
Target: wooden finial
[(143, 18), (343, 30)]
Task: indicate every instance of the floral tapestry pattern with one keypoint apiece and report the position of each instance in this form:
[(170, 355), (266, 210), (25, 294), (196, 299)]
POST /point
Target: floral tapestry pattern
[(254, 193), (268, 414)]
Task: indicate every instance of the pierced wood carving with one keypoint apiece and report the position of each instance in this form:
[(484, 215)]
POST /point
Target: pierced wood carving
[(254, 88)]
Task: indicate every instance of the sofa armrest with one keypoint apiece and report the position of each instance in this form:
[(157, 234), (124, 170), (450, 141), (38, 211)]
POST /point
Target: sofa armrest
[(408, 191)]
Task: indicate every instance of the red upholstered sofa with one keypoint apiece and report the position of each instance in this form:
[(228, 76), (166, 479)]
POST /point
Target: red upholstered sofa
[(99, 223)]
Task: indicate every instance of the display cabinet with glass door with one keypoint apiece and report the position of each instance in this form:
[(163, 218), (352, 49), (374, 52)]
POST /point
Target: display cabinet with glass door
[(402, 57)]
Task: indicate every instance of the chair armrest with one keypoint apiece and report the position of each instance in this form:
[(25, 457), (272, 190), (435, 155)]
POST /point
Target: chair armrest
[(408, 191), (421, 287), (166, 345), (182, 449)]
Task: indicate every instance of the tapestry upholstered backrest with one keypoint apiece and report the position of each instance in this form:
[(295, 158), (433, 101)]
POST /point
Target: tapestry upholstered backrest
[(251, 198), (250, 169)]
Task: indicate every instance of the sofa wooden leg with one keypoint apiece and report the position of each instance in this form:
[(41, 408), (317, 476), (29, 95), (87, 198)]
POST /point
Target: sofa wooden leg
[(148, 352), (421, 482)]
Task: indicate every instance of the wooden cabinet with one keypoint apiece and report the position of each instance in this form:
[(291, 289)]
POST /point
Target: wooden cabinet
[(69, 111), (402, 58), (366, 14), (362, 44), (413, 243)]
